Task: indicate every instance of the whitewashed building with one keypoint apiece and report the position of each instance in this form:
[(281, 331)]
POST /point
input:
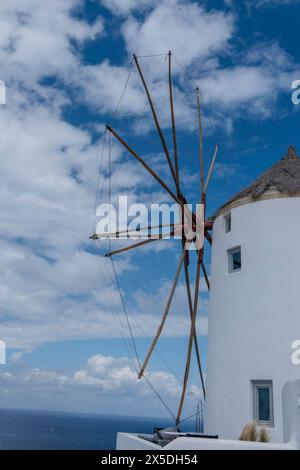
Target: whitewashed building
[(254, 319), (254, 312)]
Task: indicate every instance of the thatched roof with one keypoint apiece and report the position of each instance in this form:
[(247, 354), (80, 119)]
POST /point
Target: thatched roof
[(283, 177)]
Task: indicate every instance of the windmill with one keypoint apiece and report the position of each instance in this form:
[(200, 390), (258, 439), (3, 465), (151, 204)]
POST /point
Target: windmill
[(193, 228)]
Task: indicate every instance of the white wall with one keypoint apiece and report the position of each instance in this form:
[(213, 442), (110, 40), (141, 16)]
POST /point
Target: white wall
[(254, 315)]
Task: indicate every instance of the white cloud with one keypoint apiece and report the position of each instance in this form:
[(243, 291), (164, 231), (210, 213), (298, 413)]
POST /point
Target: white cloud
[(124, 7), (101, 380), (251, 88), (275, 3), (249, 85), (186, 28), (207, 34), (241, 84), (103, 85), (261, 3), (35, 39)]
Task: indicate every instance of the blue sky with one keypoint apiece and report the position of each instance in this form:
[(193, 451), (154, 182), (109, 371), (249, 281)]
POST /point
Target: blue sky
[(65, 65)]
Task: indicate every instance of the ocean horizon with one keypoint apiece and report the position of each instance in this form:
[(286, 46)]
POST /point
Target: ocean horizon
[(57, 430)]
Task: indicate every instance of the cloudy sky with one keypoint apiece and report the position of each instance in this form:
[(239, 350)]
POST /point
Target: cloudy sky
[(65, 65)]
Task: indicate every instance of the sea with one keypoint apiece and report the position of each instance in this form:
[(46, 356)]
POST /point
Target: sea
[(45, 430)]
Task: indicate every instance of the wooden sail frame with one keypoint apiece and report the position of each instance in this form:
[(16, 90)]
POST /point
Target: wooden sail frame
[(179, 198)]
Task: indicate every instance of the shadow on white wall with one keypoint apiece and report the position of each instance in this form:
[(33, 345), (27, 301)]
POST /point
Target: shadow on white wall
[(2, 92), (2, 352)]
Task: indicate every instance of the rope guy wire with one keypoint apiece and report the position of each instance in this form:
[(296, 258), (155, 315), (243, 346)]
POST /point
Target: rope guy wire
[(133, 341), (157, 76)]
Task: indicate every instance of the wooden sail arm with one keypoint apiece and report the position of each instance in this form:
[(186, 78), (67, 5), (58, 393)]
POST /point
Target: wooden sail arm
[(142, 243), (190, 343), (131, 247), (205, 275), (145, 165), (197, 282), (190, 304), (209, 224), (211, 168), (132, 233), (164, 317), (187, 370), (208, 237), (160, 133), (173, 124)]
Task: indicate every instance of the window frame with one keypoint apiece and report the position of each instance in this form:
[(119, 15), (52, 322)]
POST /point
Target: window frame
[(230, 253), (256, 385)]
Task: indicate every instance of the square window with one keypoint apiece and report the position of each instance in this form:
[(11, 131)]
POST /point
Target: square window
[(263, 402), (227, 221), (235, 259)]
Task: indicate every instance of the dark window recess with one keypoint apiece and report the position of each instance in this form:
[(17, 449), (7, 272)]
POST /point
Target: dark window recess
[(235, 259), (227, 220), (263, 409), (264, 412)]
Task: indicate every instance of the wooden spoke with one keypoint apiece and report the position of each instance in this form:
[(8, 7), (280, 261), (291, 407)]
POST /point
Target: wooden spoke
[(164, 317), (187, 370), (189, 296), (208, 237), (197, 282), (145, 165), (209, 225), (192, 338), (133, 233), (205, 275), (156, 120), (211, 169), (143, 242), (190, 343), (173, 122), (131, 247)]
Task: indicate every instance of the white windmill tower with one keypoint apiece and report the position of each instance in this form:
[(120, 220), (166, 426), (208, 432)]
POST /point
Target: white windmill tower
[(254, 314)]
